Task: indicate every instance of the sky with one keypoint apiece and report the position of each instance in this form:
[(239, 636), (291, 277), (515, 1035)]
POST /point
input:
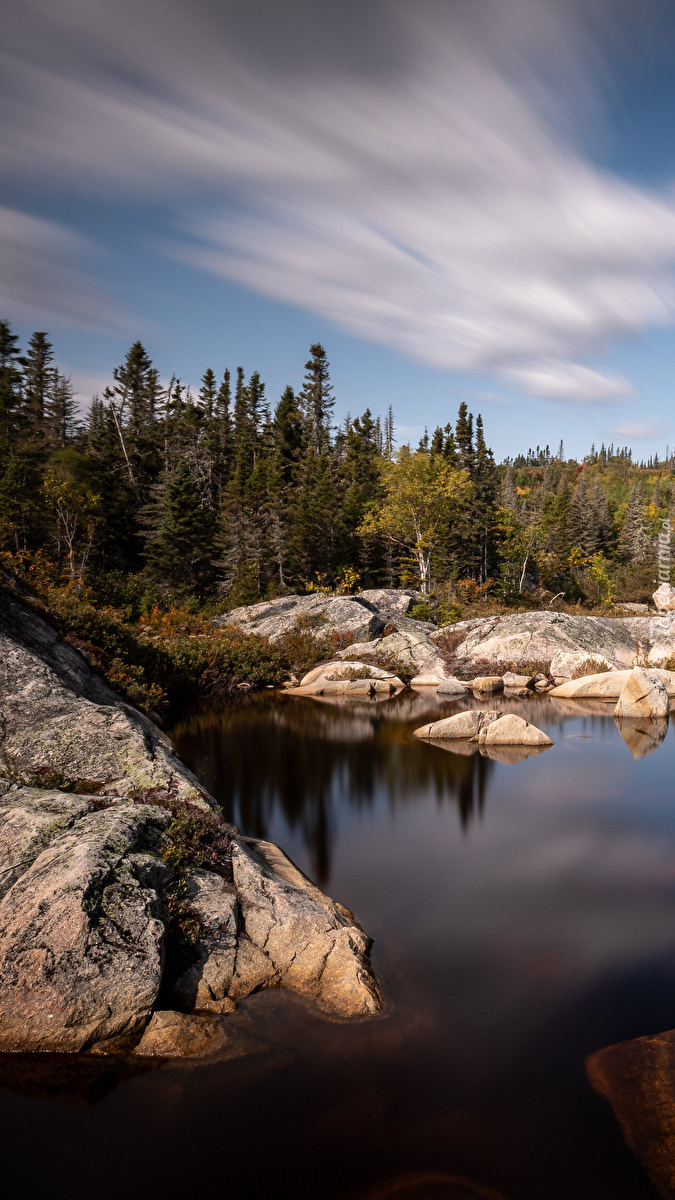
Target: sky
[(463, 200)]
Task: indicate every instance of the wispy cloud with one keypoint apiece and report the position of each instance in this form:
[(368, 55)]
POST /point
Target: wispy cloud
[(410, 172), (641, 430), (43, 276)]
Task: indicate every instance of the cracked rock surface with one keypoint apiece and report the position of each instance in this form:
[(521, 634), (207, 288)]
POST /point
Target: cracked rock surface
[(58, 716), (85, 891)]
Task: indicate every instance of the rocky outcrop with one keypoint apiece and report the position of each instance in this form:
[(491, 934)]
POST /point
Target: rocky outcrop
[(85, 895), (57, 718), (644, 695), (81, 939), (363, 616), (571, 664), (271, 927), (664, 596), (487, 729), (538, 636)]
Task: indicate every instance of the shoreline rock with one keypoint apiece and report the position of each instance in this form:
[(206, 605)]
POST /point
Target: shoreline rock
[(83, 899)]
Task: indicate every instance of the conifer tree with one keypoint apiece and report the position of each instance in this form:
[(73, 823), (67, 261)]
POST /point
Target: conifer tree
[(635, 544), (316, 401)]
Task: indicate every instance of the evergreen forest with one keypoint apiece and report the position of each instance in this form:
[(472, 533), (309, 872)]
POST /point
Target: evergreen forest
[(161, 499)]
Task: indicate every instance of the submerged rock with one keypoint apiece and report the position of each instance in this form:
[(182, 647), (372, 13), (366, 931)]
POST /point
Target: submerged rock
[(452, 687), (199, 1035), (644, 695), (637, 1078)]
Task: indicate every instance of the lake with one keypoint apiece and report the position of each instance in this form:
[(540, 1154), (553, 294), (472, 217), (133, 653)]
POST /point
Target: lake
[(523, 916)]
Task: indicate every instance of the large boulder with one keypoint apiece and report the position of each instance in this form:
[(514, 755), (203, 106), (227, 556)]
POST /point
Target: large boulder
[(512, 730), (644, 695), (606, 686), (390, 602), (664, 596), (487, 729), (409, 645), (464, 726), (59, 719), (318, 614), (452, 687)]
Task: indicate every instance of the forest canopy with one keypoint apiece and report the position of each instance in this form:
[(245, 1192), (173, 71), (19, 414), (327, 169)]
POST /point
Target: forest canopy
[(226, 496)]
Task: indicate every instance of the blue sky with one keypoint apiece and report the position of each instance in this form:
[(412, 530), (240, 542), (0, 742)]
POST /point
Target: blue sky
[(468, 200)]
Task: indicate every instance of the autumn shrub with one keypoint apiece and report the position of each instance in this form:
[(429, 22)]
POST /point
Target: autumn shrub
[(300, 649), (592, 666)]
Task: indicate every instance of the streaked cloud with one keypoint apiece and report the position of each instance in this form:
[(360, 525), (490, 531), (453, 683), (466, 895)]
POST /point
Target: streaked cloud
[(415, 174), (641, 430), (43, 276)]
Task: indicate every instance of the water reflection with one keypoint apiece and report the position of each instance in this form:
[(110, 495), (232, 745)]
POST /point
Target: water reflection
[(642, 737), (271, 751)]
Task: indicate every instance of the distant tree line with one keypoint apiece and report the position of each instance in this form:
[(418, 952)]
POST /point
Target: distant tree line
[(220, 494)]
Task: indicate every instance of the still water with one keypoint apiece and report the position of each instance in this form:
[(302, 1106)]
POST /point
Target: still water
[(523, 916)]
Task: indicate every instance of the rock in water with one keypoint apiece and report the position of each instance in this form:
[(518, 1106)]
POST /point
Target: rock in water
[(512, 730), (198, 1035), (463, 726), (644, 695), (638, 1080), (452, 687), (488, 683), (487, 729), (273, 927), (81, 939)]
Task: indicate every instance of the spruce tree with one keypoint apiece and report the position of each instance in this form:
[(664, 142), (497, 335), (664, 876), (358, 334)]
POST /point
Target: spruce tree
[(316, 401)]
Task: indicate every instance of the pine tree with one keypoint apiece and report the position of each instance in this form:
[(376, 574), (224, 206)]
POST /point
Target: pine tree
[(182, 550), (60, 410), (316, 401), (38, 379), (635, 544)]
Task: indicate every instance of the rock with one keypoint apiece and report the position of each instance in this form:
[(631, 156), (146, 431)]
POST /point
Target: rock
[(637, 1078), (644, 695), (518, 693), (512, 730), (537, 636), (664, 596), (176, 1035), (82, 915), (254, 928), (339, 671), (390, 602), (510, 680), (311, 944), (320, 615), (452, 687), (488, 683), (567, 664), (413, 648), (58, 717), (465, 725), (633, 608), (606, 686), (642, 737), (487, 729), (81, 939)]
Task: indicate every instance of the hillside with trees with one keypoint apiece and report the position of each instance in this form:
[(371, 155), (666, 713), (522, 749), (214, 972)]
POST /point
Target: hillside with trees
[(160, 500)]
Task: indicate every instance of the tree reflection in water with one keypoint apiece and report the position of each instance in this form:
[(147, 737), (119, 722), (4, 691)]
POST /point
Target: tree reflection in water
[(260, 751)]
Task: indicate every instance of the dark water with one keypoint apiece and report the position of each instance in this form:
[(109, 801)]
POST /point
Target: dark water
[(524, 916)]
